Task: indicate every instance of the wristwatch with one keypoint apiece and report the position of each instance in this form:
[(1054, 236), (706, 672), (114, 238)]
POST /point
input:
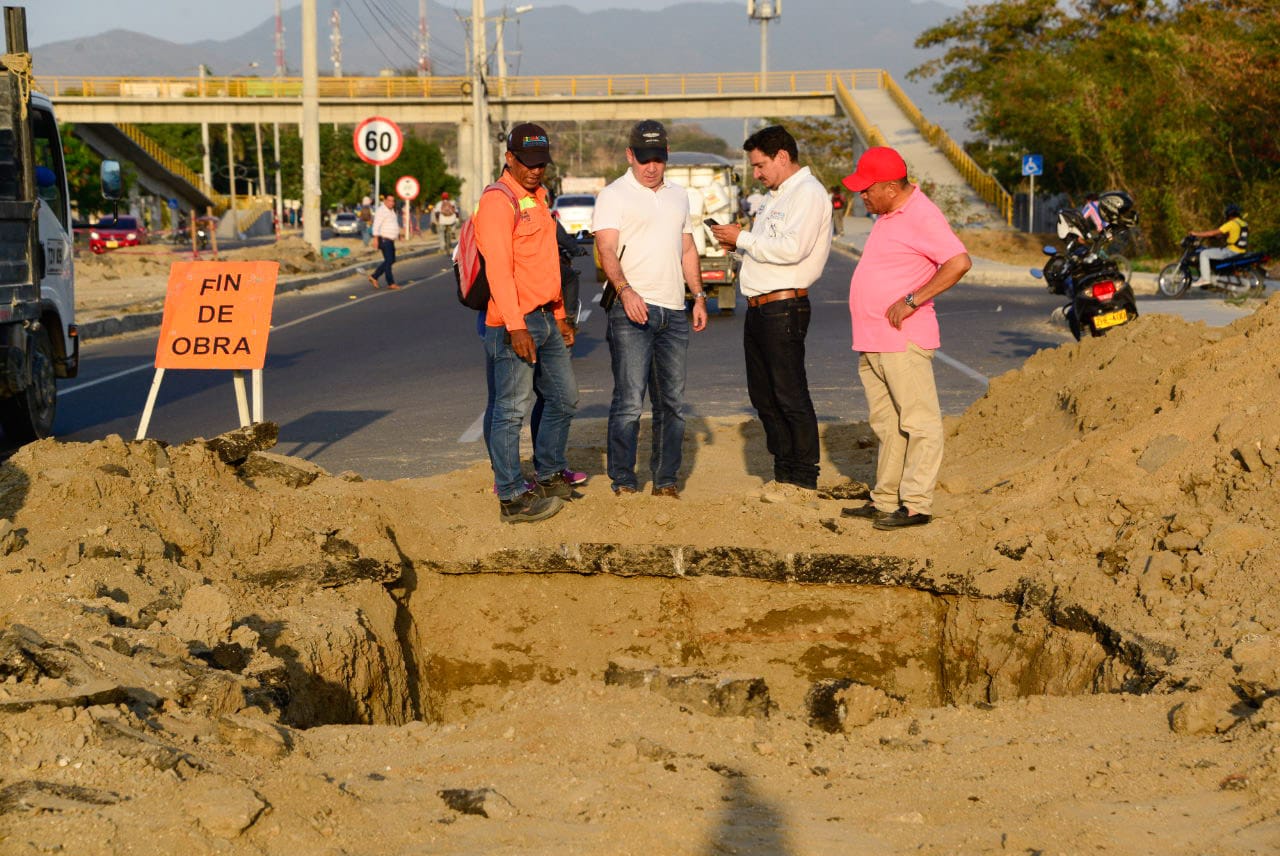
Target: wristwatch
[(910, 299), (699, 295)]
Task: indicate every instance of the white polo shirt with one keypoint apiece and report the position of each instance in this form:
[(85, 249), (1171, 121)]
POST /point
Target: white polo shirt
[(790, 239), (651, 227)]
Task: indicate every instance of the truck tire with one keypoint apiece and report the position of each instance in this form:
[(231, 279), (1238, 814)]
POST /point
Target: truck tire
[(727, 299), (29, 415)]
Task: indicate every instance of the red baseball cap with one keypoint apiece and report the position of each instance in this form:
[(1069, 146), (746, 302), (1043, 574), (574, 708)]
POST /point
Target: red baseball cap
[(878, 163)]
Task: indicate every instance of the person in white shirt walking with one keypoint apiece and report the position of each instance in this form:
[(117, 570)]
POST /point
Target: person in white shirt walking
[(386, 229), (782, 256)]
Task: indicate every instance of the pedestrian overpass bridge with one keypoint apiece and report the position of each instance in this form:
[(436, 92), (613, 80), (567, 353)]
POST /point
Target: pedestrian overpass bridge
[(878, 110)]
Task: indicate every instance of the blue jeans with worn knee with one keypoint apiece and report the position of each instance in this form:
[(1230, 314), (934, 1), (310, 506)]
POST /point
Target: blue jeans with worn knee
[(513, 384), (650, 356)]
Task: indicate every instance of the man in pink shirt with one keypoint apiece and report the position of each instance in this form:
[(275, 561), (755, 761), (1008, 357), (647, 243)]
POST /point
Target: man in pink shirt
[(911, 256)]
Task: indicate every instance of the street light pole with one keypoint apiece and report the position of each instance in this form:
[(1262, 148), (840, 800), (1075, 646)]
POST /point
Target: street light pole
[(479, 107), (310, 128), (764, 11)]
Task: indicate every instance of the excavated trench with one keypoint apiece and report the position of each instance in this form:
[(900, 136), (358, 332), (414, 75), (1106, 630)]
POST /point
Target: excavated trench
[(733, 631)]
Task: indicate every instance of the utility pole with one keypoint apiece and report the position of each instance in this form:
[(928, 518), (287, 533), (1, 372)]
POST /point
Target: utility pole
[(764, 11), (280, 66), (204, 139), (231, 178), (275, 156), (310, 128), (501, 45), (424, 41), (481, 165), (335, 42)]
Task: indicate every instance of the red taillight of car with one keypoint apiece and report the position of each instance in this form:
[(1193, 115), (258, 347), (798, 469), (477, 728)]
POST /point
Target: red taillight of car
[(1102, 290)]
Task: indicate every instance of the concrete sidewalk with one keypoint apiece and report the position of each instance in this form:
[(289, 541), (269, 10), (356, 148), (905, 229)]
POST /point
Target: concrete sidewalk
[(1196, 305)]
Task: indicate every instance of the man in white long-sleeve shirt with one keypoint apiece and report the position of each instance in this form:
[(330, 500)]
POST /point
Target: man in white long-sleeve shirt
[(782, 256), (386, 228)]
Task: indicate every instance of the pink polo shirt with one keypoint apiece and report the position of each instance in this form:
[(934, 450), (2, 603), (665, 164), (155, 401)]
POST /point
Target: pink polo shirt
[(905, 249)]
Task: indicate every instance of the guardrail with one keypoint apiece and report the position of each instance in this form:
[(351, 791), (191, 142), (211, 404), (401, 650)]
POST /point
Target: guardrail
[(172, 164), (982, 181), (869, 132), (536, 86)]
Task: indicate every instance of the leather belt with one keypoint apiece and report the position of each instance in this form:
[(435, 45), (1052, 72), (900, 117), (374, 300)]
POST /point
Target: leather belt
[(546, 307), (784, 294)]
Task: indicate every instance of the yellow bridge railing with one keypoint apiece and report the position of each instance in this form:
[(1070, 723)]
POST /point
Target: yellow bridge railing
[(982, 181), (172, 164), (533, 86)]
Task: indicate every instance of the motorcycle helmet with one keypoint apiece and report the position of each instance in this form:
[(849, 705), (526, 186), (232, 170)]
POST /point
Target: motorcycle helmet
[(1117, 209), (1232, 212), (444, 195), (1072, 222)]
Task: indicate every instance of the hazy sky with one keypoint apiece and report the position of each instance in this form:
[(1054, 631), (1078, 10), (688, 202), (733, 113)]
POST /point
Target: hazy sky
[(185, 21)]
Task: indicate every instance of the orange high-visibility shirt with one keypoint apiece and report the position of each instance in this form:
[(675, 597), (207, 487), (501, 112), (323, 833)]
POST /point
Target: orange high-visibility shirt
[(523, 267)]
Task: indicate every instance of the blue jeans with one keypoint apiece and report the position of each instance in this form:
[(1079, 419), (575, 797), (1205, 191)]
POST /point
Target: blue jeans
[(653, 356), (388, 248), (513, 384)]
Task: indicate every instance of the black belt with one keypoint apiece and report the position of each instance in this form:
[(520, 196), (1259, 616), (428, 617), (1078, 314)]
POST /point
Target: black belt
[(546, 307)]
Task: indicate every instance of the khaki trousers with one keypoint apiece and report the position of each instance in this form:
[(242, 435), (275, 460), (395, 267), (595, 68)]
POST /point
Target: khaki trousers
[(907, 420)]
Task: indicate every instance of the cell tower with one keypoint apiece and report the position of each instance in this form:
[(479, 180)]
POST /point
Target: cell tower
[(280, 68), (335, 39), (424, 56)]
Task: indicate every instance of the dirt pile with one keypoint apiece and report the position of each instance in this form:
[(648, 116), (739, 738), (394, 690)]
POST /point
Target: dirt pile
[(213, 648)]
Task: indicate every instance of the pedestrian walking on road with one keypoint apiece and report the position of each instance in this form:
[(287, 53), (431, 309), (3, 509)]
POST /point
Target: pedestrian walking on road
[(526, 337), (366, 220), (838, 206), (782, 256), (911, 256), (386, 229), (645, 240)]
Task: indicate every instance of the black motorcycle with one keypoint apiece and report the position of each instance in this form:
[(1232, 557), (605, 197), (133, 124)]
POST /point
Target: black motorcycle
[(1095, 284), (1241, 275)]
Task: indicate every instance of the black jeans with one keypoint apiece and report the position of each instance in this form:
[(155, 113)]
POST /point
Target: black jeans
[(388, 248), (773, 339)]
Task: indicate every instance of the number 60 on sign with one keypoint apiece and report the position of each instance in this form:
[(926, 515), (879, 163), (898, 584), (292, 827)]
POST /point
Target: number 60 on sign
[(378, 140)]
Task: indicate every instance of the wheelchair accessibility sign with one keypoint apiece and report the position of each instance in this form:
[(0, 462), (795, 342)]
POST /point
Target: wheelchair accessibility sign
[(1033, 164)]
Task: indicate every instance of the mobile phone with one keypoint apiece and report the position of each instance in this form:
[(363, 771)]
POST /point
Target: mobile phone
[(710, 222)]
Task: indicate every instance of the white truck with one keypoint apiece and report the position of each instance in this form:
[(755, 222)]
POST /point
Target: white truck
[(712, 183), (38, 338)]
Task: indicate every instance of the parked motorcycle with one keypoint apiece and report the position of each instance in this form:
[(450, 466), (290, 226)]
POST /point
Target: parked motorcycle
[(1095, 284), (1242, 275)]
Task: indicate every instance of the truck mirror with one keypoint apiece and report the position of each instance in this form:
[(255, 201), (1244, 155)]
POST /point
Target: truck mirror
[(112, 180)]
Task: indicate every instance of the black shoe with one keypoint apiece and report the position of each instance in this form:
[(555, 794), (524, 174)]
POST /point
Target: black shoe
[(866, 512), (554, 485), (900, 518), (528, 507)]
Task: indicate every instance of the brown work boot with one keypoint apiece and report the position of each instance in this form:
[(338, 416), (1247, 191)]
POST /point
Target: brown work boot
[(669, 491), (528, 507)]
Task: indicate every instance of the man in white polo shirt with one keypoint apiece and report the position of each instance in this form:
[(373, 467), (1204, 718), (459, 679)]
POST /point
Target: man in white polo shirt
[(782, 256), (645, 240)]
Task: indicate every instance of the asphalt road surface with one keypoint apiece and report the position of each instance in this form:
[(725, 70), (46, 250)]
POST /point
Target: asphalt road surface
[(390, 384)]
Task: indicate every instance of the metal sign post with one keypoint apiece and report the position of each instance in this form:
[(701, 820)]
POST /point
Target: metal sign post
[(1032, 165)]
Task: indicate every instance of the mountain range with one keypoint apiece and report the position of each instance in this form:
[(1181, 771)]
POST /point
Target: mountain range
[(380, 35)]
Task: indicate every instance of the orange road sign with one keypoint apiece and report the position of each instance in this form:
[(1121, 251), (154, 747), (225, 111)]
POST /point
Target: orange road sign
[(217, 315)]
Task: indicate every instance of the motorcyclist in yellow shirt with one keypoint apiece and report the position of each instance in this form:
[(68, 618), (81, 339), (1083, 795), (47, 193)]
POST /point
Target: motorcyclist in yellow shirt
[(1236, 231)]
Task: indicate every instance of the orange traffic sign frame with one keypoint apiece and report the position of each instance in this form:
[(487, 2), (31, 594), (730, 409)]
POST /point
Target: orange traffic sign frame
[(217, 315)]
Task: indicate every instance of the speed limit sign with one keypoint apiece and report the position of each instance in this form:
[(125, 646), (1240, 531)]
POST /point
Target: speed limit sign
[(378, 141), (407, 187)]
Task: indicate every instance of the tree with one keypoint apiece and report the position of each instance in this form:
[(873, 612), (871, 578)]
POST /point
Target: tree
[(1172, 102)]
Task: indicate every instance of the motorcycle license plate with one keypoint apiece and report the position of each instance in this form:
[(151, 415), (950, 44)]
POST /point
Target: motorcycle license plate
[(1111, 319)]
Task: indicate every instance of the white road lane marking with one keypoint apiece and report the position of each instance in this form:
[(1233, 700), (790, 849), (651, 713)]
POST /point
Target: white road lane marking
[(151, 365), (963, 369)]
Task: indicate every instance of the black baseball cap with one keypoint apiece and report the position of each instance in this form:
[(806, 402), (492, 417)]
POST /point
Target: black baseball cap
[(649, 141), (529, 143)]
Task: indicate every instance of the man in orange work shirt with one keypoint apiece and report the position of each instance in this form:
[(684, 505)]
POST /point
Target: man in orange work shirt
[(526, 327)]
